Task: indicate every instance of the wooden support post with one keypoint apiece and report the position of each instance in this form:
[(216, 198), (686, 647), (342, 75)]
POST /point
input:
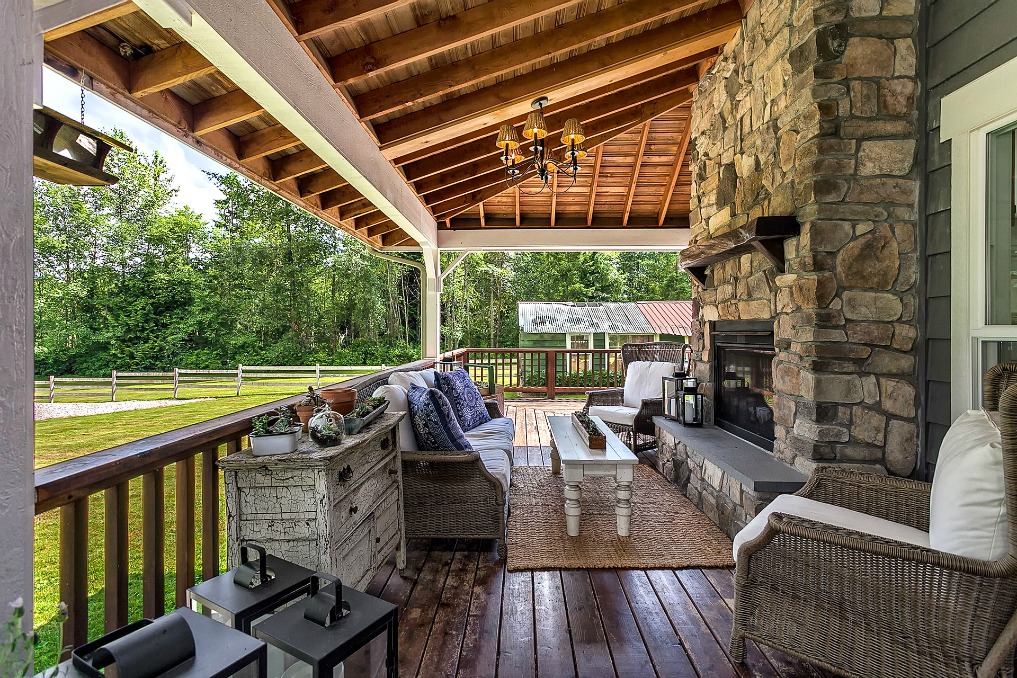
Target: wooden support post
[(113, 386), (317, 376), (210, 510), (240, 377), (52, 388), (185, 528), (74, 572), (176, 382), (552, 373), (116, 580), (153, 538)]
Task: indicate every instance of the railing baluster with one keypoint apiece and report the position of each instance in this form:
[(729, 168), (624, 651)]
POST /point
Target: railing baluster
[(185, 528), (153, 536), (74, 571), (116, 574), (210, 511)]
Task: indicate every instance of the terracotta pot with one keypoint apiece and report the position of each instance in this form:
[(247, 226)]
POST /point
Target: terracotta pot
[(340, 399), (304, 413)]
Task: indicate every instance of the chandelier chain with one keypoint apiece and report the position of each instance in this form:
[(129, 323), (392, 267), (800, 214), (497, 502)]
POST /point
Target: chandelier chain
[(82, 97)]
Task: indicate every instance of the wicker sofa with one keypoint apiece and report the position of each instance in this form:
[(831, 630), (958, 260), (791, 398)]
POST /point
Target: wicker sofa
[(456, 495), (867, 605), (609, 404)]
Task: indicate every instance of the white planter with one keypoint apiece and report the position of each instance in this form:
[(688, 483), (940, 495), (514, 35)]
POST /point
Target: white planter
[(278, 443)]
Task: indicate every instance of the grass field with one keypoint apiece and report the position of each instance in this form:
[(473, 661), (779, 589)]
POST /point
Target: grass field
[(60, 439)]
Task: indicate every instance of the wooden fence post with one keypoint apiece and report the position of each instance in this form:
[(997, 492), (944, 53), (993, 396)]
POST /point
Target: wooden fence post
[(176, 381), (240, 377), (52, 388), (113, 386), (317, 376), (552, 373)]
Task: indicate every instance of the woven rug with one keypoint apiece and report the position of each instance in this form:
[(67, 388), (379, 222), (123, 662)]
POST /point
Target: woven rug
[(667, 531)]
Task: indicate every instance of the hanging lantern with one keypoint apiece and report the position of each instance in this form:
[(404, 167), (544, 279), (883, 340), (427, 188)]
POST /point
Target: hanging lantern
[(671, 389), (67, 152)]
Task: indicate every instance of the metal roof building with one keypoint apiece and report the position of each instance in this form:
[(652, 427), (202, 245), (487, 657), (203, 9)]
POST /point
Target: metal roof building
[(608, 317)]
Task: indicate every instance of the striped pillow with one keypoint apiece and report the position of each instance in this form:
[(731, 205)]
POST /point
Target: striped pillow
[(434, 424)]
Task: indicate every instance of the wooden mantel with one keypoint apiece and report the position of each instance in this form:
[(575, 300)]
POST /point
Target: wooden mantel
[(763, 234)]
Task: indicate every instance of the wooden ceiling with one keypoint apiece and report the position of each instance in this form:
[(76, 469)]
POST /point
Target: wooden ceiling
[(431, 81)]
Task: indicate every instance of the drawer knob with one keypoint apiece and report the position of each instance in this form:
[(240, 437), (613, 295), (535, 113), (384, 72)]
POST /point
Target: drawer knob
[(346, 474)]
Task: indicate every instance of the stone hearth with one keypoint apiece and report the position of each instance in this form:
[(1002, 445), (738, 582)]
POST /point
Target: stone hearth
[(810, 111)]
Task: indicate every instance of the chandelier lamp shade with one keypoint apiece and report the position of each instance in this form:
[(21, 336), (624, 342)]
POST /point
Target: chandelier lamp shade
[(541, 161)]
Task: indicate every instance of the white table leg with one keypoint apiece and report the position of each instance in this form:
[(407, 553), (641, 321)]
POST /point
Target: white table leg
[(623, 506), (573, 492)]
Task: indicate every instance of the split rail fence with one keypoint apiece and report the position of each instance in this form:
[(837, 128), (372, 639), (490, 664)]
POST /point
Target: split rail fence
[(177, 380)]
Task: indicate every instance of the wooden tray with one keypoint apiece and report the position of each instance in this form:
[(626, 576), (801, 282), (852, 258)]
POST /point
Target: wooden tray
[(355, 424), (592, 442)]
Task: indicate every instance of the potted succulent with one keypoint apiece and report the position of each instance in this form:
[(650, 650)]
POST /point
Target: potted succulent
[(307, 405), (364, 413), (340, 399), (274, 433), (588, 431), (327, 428)]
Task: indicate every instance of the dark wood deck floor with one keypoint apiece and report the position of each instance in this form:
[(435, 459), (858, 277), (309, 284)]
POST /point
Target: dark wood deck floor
[(463, 614)]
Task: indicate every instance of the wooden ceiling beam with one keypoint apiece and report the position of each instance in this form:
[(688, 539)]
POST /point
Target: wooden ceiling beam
[(437, 36), (357, 208), (108, 14), (492, 171), (598, 116), (464, 223), (670, 43), (593, 185), (518, 211), (581, 32), (224, 110), (265, 142), (311, 18), (319, 183), (394, 238), (554, 196), (635, 173), (296, 164), (365, 223), (337, 197), (676, 169), (166, 68), (482, 216), (405, 240)]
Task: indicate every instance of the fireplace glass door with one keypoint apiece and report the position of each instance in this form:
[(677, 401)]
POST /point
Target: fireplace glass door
[(745, 393)]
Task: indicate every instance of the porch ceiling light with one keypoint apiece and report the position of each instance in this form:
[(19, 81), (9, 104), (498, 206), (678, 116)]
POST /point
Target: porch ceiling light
[(542, 162), (66, 151)]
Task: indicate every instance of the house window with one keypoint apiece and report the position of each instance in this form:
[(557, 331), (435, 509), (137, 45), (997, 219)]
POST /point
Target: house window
[(616, 340), (980, 121)]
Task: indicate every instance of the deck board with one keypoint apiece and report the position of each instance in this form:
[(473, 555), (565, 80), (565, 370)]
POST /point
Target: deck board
[(462, 614)]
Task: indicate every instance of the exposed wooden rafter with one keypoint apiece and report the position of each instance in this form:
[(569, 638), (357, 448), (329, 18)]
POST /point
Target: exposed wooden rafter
[(108, 14), (265, 142), (676, 169), (166, 68), (296, 164), (337, 197), (313, 17), (356, 209), (593, 185), (482, 219), (554, 197), (635, 173), (224, 110), (313, 184)]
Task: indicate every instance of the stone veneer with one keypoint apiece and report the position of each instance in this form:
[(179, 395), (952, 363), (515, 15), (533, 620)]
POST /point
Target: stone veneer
[(810, 111)]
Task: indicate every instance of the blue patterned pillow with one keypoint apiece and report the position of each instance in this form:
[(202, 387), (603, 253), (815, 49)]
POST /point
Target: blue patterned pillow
[(464, 396), (434, 424)]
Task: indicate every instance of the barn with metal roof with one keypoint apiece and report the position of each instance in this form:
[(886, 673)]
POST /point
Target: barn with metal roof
[(607, 324)]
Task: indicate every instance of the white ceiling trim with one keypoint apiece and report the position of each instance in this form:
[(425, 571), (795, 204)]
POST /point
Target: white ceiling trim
[(564, 239)]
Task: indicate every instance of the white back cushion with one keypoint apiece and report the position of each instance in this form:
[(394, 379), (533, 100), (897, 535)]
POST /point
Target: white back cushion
[(643, 380), (967, 514), (396, 397), (423, 379)]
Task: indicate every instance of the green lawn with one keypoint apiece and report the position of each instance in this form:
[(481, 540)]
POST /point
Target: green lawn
[(60, 439)]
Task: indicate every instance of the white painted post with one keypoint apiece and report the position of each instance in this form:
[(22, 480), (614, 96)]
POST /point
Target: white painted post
[(19, 64), (430, 311), (176, 381), (317, 376), (52, 388), (113, 386), (240, 377)]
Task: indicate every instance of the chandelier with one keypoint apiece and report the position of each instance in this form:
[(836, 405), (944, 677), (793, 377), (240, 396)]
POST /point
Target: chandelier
[(542, 162)]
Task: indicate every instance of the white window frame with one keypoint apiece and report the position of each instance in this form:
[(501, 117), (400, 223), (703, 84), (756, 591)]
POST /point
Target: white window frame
[(968, 116)]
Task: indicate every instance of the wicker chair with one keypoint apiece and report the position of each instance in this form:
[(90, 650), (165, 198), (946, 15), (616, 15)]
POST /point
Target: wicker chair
[(656, 351), (865, 606)]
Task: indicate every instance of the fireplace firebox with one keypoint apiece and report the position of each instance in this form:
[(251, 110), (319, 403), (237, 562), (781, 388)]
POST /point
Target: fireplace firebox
[(743, 353)]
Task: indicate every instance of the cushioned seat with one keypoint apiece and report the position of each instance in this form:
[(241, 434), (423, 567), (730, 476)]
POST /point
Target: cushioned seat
[(498, 463), (615, 414), (497, 434), (810, 509)]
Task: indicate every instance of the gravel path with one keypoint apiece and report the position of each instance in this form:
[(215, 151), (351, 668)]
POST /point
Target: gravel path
[(60, 410)]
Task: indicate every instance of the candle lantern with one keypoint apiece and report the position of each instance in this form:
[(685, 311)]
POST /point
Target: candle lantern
[(320, 632), (690, 411), (671, 388), (182, 644), (257, 588)]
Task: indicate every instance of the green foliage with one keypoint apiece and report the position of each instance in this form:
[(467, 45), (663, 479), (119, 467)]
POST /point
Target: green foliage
[(587, 378)]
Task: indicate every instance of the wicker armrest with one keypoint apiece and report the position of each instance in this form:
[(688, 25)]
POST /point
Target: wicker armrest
[(650, 408), (440, 456), (493, 409), (605, 397), (899, 500)]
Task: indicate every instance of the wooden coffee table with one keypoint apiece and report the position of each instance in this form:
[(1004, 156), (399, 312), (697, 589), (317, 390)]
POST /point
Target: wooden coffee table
[(569, 452)]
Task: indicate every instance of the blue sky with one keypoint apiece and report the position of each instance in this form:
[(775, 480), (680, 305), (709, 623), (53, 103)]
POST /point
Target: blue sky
[(186, 164)]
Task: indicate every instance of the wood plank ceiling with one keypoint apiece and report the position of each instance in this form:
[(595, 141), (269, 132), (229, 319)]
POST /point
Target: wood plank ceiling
[(432, 80)]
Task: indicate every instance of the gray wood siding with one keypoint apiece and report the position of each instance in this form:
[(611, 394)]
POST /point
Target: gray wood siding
[(964, 40)]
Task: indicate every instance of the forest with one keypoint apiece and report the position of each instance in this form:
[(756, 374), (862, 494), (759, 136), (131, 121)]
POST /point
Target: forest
[(126, 278)]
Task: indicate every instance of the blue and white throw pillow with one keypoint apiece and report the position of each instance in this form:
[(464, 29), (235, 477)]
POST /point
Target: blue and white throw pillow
[(464, 396), (434, 424)]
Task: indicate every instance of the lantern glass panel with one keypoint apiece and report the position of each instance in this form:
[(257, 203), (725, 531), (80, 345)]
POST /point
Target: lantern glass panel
[(671, 386)]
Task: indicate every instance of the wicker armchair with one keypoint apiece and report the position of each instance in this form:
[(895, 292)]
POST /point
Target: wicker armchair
[(656, 351), (865, 606)]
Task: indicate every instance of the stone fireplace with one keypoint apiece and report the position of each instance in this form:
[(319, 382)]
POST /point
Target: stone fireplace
[(743, 394), (810, 112)]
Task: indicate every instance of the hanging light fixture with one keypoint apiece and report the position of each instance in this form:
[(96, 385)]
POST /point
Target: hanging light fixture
[(517, 166)]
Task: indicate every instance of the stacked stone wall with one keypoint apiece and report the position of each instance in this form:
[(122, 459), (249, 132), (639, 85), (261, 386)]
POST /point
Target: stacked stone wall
[(811, 111)]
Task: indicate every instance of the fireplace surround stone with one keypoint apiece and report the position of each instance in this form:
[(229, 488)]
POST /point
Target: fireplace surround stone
[(811, 111)]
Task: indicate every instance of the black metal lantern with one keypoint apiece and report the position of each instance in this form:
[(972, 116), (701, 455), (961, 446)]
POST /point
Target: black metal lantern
[(690, 409), (671, 388), (257, 588), (182, 644), (319, 633)]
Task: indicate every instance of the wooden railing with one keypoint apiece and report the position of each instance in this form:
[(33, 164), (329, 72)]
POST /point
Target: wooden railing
[(526, 370), (67, 487)]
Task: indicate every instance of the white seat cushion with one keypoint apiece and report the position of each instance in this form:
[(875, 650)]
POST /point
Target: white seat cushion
[(396, 397), (644, 380), (497, 462), (794, 505), (615, 414), (967, 513), (497, 434), (423, 379)]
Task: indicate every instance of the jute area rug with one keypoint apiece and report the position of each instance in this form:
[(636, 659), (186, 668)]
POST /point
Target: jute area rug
[(667, 531)]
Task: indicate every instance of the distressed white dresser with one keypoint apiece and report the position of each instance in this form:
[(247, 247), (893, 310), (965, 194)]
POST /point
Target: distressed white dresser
[(337, 509)]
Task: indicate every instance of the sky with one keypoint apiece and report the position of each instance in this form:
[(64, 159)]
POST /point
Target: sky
[(186, 164)]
